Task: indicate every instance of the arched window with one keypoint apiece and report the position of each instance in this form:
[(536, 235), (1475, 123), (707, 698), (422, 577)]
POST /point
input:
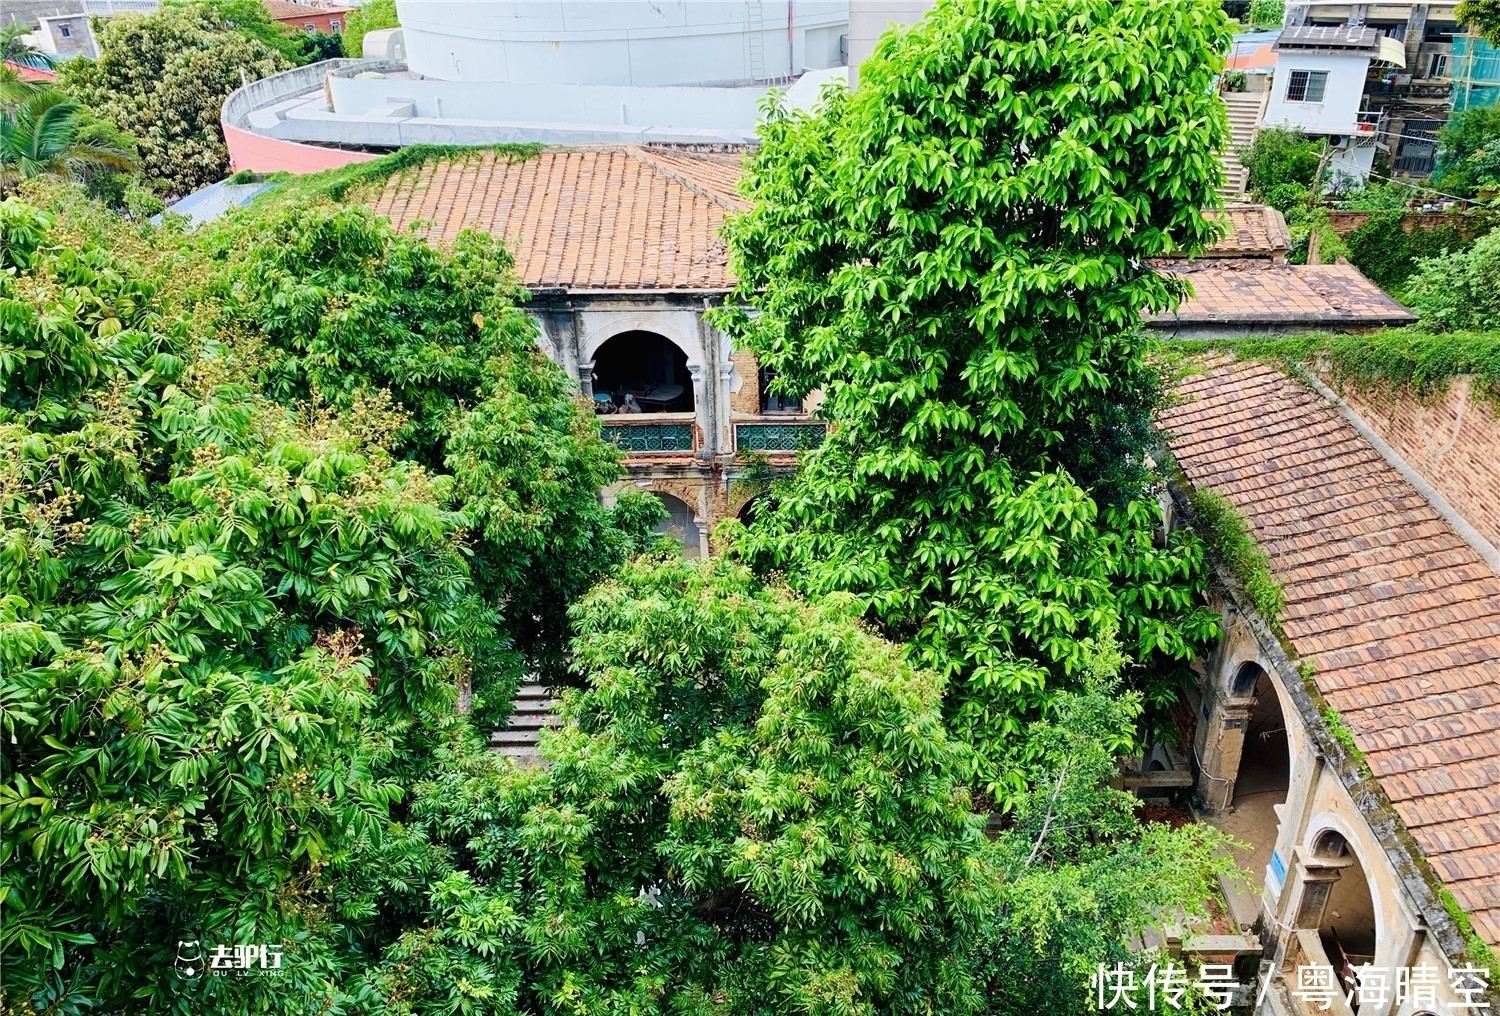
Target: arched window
[(642, 372), (1245, 678), (1330, 845)]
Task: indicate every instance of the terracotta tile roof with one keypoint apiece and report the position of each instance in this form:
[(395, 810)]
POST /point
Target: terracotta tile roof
[(280, 9), (716, 174), (1256, 293), (1254, 231), (1400, 616), (581, 218)]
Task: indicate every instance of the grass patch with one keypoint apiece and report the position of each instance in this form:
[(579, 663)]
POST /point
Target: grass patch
[(1480, 954), (335, 184), (1341, 733), (1226, 531), (1423, 361)]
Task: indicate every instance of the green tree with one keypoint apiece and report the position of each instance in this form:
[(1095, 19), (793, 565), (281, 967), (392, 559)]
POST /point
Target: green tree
[(164, 77), (1469, 152), (44, 135), (370, 17), (956, 255), (342, 306), (222, 624), (1282, 163), (1483, 16), (1457, 291), (754, 807)]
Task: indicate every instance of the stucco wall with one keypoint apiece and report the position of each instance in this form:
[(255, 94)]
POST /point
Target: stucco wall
[(1336, 113), (561, 103), (618, 42)]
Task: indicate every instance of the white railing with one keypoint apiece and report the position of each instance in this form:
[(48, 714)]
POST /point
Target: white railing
[(109, 8)]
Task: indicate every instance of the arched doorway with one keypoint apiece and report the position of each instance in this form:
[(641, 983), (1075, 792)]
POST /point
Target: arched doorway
[(642, 372), (679, 524), (1260, 784), (1265, 762), (1347, 925)]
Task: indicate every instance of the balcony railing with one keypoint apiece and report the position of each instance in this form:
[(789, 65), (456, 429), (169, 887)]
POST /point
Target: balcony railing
[(777, 437), (649, 437)]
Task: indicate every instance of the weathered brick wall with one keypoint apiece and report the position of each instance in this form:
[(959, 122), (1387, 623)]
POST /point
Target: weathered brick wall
[(1453, 441), (747, 399), (1468, 226)]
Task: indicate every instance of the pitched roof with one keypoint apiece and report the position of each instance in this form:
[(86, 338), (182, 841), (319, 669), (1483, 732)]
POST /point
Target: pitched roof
[(1399, 615), (583, 218), (1235, 297), (280, 10), (1253, 231)]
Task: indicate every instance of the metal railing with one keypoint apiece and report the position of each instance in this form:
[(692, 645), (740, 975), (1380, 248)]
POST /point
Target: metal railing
[(650, 437), (764, 436)]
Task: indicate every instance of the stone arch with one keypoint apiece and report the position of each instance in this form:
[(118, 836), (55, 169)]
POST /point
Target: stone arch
[(610, 325), (1340, 900), (1246, 676), (642, 372)]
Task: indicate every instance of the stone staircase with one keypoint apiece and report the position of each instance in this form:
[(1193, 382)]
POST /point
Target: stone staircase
[(533, 711), (1245, 110)]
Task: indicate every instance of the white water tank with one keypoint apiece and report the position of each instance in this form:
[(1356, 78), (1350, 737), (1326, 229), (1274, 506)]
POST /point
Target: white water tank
[(624, 42)]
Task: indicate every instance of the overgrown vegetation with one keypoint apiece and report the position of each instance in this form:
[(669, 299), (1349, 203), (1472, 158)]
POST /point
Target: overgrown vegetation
[(1282, 163), (163, 77), (1385, 251), (1226, 531), (959, 265), (277, 494), (1414, 358), (1459, 290), (1469, 152)]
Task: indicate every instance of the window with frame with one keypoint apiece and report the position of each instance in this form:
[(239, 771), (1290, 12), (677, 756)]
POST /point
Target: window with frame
[(311, 28), (1437, 67), (66, 30), (770, 403), (333, 26), (1306, 86)]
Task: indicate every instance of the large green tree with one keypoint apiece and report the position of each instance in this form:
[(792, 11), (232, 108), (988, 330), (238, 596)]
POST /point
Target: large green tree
[(163, 77), (956, 254), (235, 614), (337, 305), (754, 806), (205, 603)]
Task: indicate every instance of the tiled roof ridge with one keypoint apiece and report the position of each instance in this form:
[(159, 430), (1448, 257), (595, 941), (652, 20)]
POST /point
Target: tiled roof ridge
[(641, 155)]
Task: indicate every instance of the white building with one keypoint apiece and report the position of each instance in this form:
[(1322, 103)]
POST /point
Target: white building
[(1318, 87)]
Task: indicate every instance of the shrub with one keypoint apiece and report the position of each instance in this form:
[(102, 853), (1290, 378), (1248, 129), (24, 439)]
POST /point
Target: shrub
[(1459, 290), (1469, 152), (1282, 163)]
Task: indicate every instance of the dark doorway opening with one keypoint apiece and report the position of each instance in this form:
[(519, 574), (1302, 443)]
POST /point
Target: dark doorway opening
[(679, 525), (642, 372)]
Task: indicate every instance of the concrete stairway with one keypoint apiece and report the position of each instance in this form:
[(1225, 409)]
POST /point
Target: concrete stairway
[(1245, 111), (533, 711)]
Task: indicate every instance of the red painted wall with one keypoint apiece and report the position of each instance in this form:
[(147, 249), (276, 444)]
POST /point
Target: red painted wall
[(272, 155)]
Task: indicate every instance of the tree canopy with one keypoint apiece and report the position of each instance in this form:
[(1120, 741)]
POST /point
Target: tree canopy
[(955, 253), (163, 77)]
